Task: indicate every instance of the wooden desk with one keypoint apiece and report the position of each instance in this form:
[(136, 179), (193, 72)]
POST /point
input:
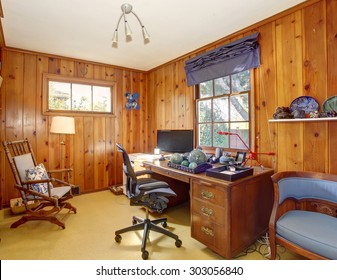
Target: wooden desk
[(225, 216)]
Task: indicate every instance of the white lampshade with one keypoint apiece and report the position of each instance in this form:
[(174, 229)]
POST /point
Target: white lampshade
[(146, 35), (62, 125), (128, 31)]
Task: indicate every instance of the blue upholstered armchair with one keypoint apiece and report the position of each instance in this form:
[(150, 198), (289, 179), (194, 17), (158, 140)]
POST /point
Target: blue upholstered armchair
[(304, 214)]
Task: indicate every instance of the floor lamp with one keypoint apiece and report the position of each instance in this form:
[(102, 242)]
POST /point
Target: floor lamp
[(62, 125)]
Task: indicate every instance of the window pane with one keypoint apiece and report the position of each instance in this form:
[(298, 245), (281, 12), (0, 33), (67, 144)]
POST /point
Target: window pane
[(222, 86), (205, 135), (59, 96), (241, 81), (220, 109), (242, 129), (206, 89), (81, 97), (101, 99), (205, 111), (239, 107), (220, 141)]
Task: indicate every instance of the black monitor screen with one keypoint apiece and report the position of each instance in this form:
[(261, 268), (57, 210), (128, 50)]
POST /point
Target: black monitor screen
[(175, 141)]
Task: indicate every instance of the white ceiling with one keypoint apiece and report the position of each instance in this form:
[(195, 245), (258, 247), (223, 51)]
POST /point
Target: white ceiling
[(83, 29)]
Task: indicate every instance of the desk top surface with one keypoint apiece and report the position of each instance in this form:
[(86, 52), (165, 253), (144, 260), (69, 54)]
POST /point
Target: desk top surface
[(162, 166)]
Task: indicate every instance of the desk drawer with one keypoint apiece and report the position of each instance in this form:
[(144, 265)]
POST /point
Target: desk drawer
[(208, 192), (212, 235), (210, 212), (171, 173)]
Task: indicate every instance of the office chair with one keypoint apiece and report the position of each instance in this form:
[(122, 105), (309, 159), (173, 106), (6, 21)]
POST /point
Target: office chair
[(150, 193)]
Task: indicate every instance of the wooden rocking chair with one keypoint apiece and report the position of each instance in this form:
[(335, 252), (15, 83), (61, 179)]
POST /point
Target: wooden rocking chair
[(36, 185)]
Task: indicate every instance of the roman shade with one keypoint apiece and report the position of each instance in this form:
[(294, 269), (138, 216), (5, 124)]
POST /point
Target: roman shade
[(234, 57)]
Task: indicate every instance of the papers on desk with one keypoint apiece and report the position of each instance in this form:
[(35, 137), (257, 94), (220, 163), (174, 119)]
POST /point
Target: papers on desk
[(143, 157), (228, 172)]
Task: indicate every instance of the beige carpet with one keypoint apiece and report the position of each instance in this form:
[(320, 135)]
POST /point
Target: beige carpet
[(89, 235)]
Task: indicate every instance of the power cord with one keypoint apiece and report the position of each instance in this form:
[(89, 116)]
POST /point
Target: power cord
[(262, 247)]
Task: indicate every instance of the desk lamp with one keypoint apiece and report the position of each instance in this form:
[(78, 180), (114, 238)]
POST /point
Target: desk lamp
[(252, 155)]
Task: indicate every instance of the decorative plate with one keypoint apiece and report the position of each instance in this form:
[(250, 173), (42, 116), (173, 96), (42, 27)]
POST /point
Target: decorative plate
[(306, 103), (330, 104)]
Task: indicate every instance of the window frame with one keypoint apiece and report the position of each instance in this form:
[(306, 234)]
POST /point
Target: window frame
[(46, 77), (251, 98)]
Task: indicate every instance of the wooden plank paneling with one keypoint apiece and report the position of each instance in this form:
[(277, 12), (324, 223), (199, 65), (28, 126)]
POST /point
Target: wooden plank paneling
[(265, 96), (290, 147), (160, 98), (13, 112), (289, 58), (79, 154), (331, 10), (99, 150), (315, 85), (88, 134), (315, 143), (42, 131), (29, 99)]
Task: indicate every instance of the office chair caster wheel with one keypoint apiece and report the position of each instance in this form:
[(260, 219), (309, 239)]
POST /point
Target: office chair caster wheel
[(178, 243), (145, 255), (164, 224), (118, 238)]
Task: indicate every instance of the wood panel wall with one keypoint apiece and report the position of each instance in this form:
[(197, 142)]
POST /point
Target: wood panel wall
[(91, 151), (298, 57)]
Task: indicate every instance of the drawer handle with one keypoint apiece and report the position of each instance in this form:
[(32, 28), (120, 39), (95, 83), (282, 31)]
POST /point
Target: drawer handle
[(207, 194), (207, 231), (207, 211)]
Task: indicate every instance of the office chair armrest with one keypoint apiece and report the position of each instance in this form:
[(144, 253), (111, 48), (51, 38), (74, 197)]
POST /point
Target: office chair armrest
[(143, 172), (152, 186)]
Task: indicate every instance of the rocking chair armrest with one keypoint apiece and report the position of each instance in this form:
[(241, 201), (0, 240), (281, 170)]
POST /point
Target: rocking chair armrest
[(50, 180), (58, 171), (37, 194), (62, 182), (69, 170)]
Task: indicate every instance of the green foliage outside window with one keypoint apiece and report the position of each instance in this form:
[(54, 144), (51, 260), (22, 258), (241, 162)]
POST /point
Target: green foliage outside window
[(66, 96), (223, 105)]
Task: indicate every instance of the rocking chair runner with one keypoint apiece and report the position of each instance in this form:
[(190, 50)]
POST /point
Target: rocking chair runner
[(52, 198)]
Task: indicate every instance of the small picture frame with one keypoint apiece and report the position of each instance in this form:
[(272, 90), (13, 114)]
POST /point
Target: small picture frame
[(240, 158)]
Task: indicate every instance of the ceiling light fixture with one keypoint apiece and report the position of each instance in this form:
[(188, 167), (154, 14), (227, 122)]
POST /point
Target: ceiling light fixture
[(127, 9)]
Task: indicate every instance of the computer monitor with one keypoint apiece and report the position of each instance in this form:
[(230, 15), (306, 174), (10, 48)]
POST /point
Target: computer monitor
[(175, 141)]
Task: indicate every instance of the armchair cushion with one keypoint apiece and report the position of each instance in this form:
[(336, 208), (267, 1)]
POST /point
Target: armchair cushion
[(38, 172), (310, 230)]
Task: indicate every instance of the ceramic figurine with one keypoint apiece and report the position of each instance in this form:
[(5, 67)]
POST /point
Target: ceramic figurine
[(282, 113), (298, 114)]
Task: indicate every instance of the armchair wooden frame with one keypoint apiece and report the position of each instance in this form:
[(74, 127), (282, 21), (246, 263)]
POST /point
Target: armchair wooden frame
[(48, 204)]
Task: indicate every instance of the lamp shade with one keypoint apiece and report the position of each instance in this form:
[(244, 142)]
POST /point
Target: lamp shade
[(62, 125)]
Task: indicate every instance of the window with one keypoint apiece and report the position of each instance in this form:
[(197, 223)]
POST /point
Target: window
[(67, 94), (223, 105)]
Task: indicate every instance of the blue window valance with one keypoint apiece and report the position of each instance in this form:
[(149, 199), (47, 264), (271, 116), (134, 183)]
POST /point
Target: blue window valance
[(234, 57)]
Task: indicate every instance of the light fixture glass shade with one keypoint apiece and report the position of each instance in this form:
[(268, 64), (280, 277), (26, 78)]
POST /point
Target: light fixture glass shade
[(115, 37), (128, 31), (145, 34), (63, 125)]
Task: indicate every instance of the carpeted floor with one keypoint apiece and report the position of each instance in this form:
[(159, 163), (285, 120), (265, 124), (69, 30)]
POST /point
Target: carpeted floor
[(89, 235)]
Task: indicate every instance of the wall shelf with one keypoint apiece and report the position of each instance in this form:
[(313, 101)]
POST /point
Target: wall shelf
[(304, 120)]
